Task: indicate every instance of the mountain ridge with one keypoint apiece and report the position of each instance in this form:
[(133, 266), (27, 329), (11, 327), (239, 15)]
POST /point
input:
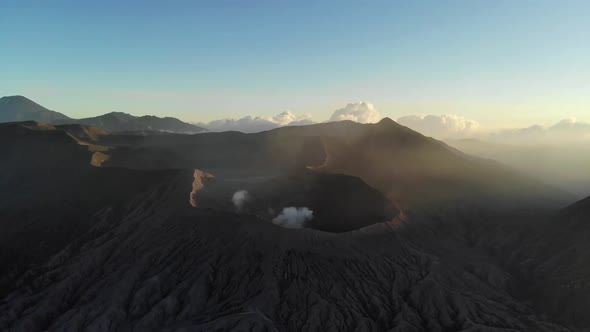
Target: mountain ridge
[(124, 122), (19, 108)]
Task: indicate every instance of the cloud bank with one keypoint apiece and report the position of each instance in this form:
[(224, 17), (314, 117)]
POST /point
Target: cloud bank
[(293, 217), (250, 124), (565, 131), (361, 112), (448, 126), (441, 126), (455, 126)]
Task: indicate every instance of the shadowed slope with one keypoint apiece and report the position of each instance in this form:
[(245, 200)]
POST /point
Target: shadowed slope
[(49, 193), (163, 266), (545, 254)]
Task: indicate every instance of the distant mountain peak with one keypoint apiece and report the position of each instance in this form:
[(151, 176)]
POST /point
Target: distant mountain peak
[(15, 97), (18, 99), (20, 108)]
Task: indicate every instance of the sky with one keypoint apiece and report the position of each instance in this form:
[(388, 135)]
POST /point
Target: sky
[(502, 63)]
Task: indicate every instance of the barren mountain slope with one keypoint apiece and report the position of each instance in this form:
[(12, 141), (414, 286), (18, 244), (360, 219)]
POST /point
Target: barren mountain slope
[(545, 254), (49, 193), (164, 266)]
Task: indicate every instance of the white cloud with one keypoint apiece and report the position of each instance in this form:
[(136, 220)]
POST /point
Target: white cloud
[(250, 124), (287, 118), (361, 112), (441, 126), (293, 217)]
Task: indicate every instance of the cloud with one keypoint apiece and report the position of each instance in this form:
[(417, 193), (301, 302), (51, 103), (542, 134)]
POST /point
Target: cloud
[(565, 131), (246, 124), (536, 132), (250, 124), (570, 127), (455, 126), (239, 199), (441, 126), (293, 217), (361, 112), (287, 118)]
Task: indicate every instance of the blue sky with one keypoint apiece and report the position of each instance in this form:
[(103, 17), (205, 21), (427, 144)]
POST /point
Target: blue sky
[(498, 62)]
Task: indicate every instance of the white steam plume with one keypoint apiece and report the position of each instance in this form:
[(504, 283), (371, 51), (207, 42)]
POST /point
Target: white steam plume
[(293, 217), (239, 199)]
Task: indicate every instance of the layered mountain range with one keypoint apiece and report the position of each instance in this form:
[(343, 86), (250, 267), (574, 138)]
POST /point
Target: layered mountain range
[(19, 108), (395, 232)]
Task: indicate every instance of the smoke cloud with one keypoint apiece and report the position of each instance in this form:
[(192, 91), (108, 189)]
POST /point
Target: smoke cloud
[(361, 112), (239, 199), (293, 217)]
